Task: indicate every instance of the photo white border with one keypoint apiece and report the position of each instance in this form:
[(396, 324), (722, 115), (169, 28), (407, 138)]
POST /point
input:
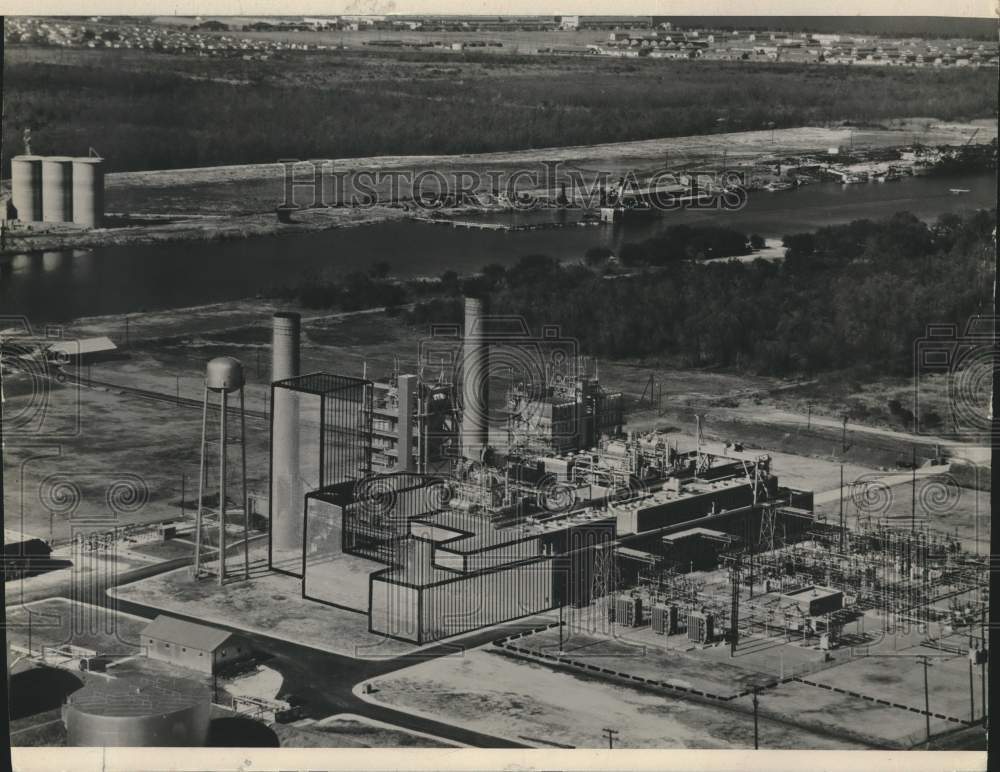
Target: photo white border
[(250, 760)]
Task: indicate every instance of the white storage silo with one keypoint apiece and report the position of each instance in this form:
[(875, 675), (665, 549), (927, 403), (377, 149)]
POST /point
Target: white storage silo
[(57, 189), (88, 191), (26, 187)]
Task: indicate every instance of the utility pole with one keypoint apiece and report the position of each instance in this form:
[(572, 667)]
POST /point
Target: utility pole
[(611, 733), (972, 689), (756, 739), (985, 655), (841, 494), (843, 436), (927, 704), (734, 615), (809, 416)]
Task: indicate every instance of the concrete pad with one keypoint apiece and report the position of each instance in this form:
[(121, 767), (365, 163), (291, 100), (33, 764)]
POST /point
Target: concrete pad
[(533, 704), (341, 579), (268, 604)]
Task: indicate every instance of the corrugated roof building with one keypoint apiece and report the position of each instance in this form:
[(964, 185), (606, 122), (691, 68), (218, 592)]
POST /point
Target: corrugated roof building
[(193, 646)]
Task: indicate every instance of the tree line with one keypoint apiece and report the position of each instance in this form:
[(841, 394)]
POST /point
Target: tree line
[(848, 296), (177, 113)]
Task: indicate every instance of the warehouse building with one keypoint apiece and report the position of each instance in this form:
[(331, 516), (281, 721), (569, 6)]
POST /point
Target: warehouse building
[(193, 646)]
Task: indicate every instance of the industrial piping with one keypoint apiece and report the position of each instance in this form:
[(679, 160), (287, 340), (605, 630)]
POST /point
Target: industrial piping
[(287, 492), (475, 381)]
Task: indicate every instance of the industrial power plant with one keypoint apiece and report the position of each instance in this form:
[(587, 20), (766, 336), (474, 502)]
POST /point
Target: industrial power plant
[(58, 189), (549, 402), (491, 489), (437, 506)]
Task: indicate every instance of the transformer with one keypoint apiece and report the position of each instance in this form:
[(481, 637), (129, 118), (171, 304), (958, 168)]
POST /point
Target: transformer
[(664, 619), (701, 626)]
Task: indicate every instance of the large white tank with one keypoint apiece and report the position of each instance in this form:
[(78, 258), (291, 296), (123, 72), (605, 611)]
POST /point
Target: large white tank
[(88, 191), (26, 185), (57, 189), (138, 711)]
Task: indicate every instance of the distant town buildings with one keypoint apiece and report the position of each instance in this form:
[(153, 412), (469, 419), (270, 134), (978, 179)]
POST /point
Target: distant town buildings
[(628, 36)]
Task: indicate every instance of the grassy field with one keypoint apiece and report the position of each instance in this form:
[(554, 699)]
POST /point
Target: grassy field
[(144, 111), (345, 730), (504, 694), (527, 702), (58, 621)]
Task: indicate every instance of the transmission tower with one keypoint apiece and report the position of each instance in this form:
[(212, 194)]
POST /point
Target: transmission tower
[(768, 516), (605, 576)]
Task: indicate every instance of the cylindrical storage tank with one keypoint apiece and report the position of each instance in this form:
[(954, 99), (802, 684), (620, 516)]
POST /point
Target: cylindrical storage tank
[(286, 482), (138, 711), (88, 191), (26, 187), (57, 189)]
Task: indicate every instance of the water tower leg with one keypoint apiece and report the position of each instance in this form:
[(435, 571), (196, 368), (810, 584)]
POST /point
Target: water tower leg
[(201, 486), (222, 489), (246, 500)]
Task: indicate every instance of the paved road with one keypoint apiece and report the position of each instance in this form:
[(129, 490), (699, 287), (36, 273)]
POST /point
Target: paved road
[(323, 681), (98, 584)]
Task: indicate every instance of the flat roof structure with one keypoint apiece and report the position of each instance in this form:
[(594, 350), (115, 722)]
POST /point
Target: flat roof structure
[(708, 533), (82, 346)]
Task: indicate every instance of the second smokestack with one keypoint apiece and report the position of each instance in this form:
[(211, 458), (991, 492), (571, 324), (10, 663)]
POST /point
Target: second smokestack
[(475, 381), (287, 493)]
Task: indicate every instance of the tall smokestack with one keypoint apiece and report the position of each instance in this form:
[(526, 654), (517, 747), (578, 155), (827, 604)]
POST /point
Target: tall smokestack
[(407, 391), (286, 483), (475, 381)]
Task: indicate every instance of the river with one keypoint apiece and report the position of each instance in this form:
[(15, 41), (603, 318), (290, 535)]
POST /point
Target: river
[(52, 287)]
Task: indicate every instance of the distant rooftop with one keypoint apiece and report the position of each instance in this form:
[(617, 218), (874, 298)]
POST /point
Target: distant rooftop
[(82, 346)]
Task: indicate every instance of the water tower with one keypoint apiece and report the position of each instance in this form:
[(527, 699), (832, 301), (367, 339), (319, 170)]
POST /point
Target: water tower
[(223, 376)]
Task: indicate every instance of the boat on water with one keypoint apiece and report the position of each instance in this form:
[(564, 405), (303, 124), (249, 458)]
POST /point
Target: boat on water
[(774, 186), (959, 191)]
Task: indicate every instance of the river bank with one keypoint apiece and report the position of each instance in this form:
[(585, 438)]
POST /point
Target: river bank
[(53, 286), (239, 202)]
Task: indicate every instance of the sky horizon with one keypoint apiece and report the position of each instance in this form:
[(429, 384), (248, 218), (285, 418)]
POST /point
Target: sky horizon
[(968, 9)]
